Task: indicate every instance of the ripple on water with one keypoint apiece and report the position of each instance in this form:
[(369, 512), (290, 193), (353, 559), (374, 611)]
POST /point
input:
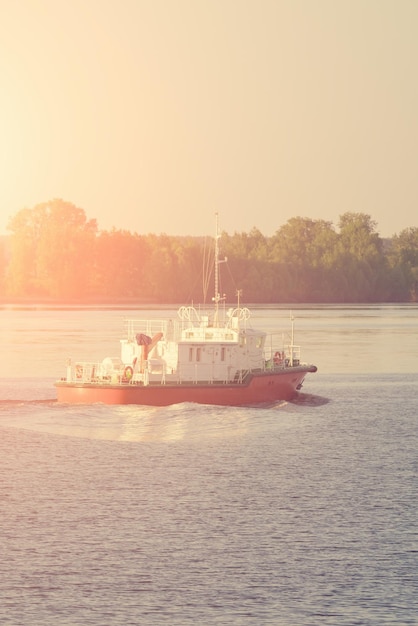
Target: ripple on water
[(301, 513)]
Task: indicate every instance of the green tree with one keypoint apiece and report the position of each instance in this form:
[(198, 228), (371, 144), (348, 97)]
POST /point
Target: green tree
[(361, 257), (194, 269), (303, 242), (403, 258), (358, 236), (248, 269), (305, 251), (52, 251), (252, 245), (21, 271), (161, 276), (3, 265), (120, 265)]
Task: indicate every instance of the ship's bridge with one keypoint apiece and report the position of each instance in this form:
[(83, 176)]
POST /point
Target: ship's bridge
[(200, 328), (212, 334)]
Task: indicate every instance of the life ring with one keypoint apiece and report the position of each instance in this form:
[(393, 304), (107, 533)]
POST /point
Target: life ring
[(278, 358), (128, 373)]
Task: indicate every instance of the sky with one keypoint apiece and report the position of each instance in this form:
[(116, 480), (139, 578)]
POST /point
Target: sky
[(153, 115)]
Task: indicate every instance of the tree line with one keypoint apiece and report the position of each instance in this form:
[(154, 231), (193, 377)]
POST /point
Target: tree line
[(55, 252)]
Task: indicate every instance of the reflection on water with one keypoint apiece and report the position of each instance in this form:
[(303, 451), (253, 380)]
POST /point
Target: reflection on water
[(126, 423)]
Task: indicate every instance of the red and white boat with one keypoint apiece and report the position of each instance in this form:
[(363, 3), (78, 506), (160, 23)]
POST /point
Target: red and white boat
[(210, 358)]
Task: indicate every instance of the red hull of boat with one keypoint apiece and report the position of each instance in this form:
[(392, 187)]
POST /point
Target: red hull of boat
[(260, 388)]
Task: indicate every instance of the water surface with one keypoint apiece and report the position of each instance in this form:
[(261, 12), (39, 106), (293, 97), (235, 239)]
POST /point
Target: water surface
[(298, 514)]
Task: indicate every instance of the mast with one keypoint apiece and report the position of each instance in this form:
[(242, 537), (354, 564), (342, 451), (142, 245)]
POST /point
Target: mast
[(217, 297)]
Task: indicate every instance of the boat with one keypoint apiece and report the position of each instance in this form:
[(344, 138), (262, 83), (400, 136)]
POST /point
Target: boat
[(214, 358)]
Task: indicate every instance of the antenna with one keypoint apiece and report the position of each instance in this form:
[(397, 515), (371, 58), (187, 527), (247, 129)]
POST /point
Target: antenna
[(292, 321)]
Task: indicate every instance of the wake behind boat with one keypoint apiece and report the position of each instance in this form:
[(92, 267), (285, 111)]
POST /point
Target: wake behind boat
[(210, 358)]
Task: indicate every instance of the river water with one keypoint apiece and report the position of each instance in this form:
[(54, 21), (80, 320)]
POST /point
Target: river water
[(304, 513)]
